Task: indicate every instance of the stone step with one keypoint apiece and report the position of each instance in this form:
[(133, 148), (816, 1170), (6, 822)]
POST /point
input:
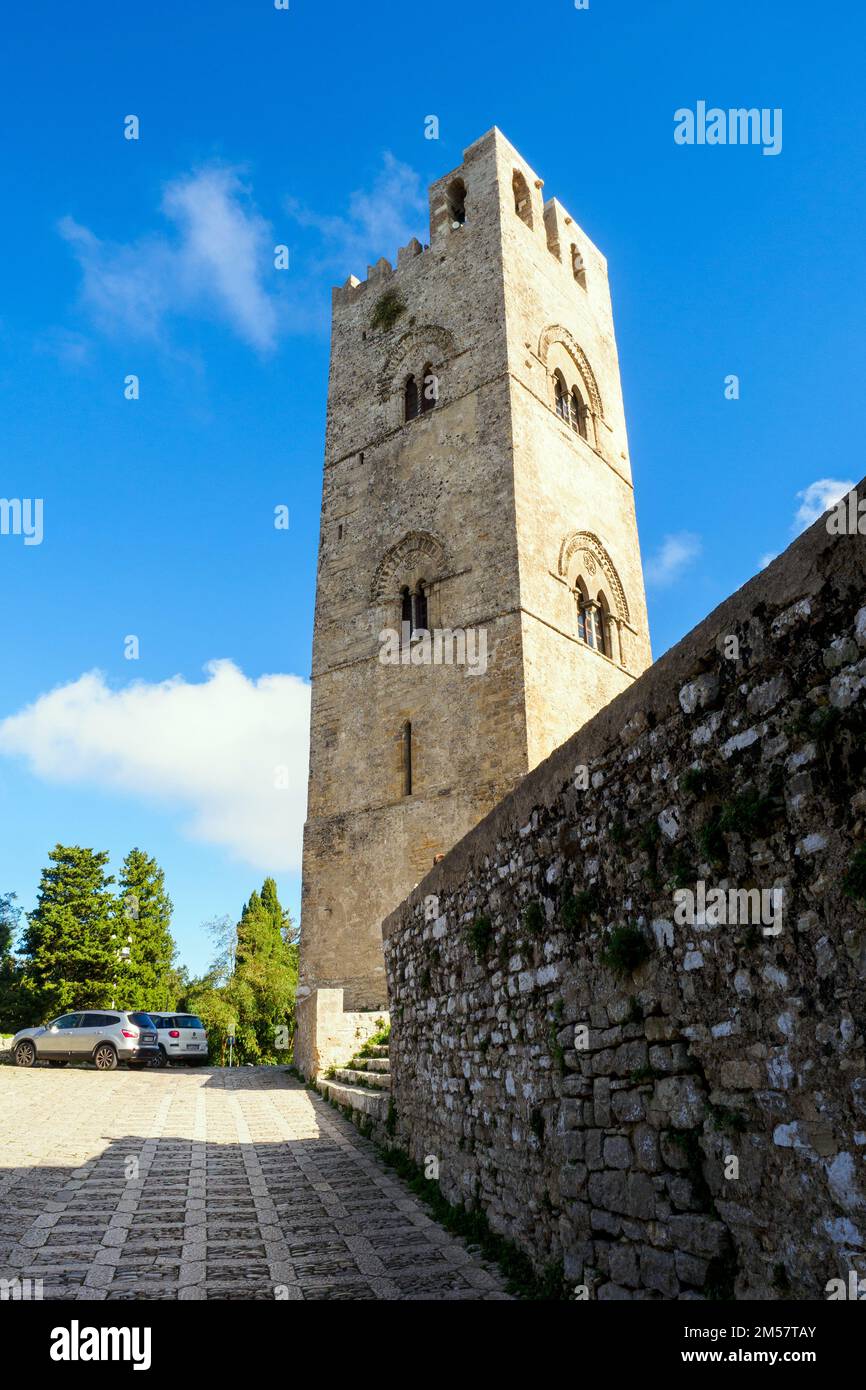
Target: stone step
[(370, 1064), (381, 1081), (378, 1050), (358, 1098)]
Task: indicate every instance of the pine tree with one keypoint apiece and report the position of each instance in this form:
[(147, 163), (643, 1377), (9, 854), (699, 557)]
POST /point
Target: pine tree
[(71, 955), (143, 920)]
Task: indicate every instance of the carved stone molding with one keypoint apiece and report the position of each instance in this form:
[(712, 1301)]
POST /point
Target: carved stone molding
[(557, 334), (593, 555), (407, 555)]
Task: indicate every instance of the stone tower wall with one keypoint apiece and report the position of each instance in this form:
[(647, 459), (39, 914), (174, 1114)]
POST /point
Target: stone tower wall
[(433, 499)]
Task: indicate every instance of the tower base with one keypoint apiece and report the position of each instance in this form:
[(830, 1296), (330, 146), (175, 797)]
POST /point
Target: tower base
[(326, 1035)]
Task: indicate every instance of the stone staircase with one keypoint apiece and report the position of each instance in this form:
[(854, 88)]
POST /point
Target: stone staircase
[(364, 1085)]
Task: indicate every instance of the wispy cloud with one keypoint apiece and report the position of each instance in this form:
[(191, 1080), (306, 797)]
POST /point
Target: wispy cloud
[(229, 751), (380, 219), (674, 555), (69, 348), (213, 261), (816, 499)]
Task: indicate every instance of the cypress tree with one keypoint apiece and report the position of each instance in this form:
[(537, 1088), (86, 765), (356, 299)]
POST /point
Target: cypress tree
[(143, 921), (71, 955), (266, 976)]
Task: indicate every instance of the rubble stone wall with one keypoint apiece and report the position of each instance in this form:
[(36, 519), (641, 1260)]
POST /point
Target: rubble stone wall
[(668, 1109)]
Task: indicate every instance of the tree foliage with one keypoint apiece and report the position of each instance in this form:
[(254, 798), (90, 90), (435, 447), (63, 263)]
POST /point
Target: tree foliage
[(143, 921), (12, 1014), (70, 950), (85, 946), (249, 992)]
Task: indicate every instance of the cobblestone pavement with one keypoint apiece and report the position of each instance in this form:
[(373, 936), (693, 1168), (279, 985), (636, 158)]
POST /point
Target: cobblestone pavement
[(208, 1184)]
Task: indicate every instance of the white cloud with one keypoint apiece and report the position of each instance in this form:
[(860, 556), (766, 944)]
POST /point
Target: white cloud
[(214, 261), (214, 749), (381, 219), (767, 559), (675, 554), (816, 499)]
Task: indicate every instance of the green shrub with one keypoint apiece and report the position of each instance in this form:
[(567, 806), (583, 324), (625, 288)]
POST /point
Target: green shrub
[(697, 781), (533, 918), (617, 831), (683, 871), (389, 306), (627, 948), (750, 814), (711, 841), (728, 1121), (577, 908), (650, 836), (820, 725), (854, 882), (479, 934)]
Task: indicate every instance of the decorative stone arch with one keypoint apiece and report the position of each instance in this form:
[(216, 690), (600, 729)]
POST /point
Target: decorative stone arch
[(427, 343), (581, 557), (418, 556), (557, 334)]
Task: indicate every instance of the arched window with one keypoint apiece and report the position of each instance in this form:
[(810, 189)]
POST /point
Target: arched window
[(578, 412), (593, 619), (420, 606), (601, 619), (522, 199), (456, 197), (429, 389), (414, 608), (584, 628), (410, 399), (560, 395), (577, 266), (406, 757), (406, 607)]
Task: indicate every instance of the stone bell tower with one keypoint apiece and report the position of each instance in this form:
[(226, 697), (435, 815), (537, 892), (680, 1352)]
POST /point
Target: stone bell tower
[(478, 511)]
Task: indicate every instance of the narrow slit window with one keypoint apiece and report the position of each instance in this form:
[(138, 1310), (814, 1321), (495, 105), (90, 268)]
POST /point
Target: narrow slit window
[(578, 413), (457, 204), (406, 607), (430, 388), (406, 757), (410, 399), (560, 396), (522, 198), (420, 605)]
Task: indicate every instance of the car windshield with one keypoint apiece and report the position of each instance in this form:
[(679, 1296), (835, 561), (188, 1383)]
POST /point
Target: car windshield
[(189, 1021), (143, 1020)]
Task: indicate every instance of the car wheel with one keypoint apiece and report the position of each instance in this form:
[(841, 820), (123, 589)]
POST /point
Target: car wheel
[(160, 1061), (105, 1057), (57, 1064), (25, 1054)]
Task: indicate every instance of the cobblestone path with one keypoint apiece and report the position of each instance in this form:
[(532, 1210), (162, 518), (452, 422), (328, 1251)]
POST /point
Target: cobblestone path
[(208, 1184)]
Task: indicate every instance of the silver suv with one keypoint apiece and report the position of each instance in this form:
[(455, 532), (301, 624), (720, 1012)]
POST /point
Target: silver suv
[(102, 1036), (182, 1038)]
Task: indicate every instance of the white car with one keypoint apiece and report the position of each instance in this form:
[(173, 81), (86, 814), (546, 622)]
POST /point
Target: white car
[(180, 1038)]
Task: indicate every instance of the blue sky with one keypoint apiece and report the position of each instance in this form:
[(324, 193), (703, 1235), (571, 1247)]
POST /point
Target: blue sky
[(154, 257)]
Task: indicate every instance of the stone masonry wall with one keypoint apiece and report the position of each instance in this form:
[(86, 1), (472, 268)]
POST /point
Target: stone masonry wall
[(669, 1110)]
